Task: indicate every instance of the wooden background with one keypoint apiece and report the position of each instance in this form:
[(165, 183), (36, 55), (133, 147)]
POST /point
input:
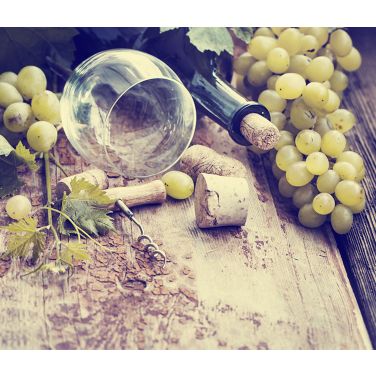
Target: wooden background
[(269, 285)]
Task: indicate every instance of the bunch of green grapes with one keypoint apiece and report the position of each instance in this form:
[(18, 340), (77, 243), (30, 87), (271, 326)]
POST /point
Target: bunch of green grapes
[(301, 74)]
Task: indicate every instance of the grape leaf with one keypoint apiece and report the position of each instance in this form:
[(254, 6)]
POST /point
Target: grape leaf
[(25, 156), (74, 251), (164, 29), (216, 39), (25, 236), (243, 33), (5, 147)]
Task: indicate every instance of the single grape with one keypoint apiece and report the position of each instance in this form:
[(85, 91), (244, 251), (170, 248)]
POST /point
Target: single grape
[(8, 95), (278, 30), (298, 64), (322, 126), (243, 63), (328, 181), (319, 69), (265, 31), (178, 184), (284, 188), (272, 101), (258, 74), (317, 163), (342, 120), (304, 195), (352, 157), (309, 218), (290, 85), (332, 103), (287, 155), (9, 77), (42, 136), (260, 46), (278, 119), (349, 192), (270, 83), (341, 219), (315, 95), (18, 207), (18, 117), (359, 207), (323, 203), (345, 170), (285, 138), (277, 172), (326, 84), (308, 141), (297, 174), (30, 81), (302, 116), (352, 61), (46, 106), (278, 60), (340, 42), (290, 39), (339, 81), (360, 175), (309, 45), (333, 143), (320, 33)]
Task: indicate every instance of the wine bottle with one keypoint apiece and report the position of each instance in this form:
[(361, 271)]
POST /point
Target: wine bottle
[(246, 121)]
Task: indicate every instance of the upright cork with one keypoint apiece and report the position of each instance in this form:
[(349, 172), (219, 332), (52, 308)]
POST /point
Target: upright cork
[(259, 131)]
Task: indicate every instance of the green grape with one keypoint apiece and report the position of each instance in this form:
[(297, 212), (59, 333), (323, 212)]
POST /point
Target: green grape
[(302, 117), (258, 74), (359, 207), (178, 184), (240, 84), (322, 126), (333, 143), (303, 30), (304, 195), (349, 192), (308, 141), (265, 31), (345, 170), (30, 81), (278, 30), (328, 181), (339, 81), (298, 64), (340, 42), (287, 155), (316, 95), (290, 40), (326, 51), (278, 60), (243, 63), (46, 106), (272, 101), (323, 203), (270, 83), (354, 158), (42, 136), (320, 33), (332, 103), (352, 61), (277, 172), (290, 85), (326, 84), (317, 163), (9, 77), (285, 138), (341, 219), (360, 175), (278, 119), (309, 45), (18, 117), (297, 174), (320, 69), (309, 218), (284, 188), (342, 120), (8, 95), (18, 207), (260, 46)]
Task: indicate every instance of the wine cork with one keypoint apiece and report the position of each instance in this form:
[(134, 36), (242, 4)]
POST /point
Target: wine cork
[(259, 131), (221, 201), (94, 176), (135, 195)]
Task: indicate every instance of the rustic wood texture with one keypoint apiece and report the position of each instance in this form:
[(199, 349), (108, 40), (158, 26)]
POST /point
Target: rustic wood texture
[(269, 285)]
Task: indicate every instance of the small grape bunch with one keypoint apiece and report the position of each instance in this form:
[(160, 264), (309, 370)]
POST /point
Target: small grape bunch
[(300, 75)]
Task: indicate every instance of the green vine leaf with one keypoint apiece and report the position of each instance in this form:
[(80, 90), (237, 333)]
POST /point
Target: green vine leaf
[(26, 156), (216, 39), (74, 251), (243, 33), (5, 147)]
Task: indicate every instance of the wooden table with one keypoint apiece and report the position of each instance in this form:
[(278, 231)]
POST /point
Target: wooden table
[(269, 285)]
